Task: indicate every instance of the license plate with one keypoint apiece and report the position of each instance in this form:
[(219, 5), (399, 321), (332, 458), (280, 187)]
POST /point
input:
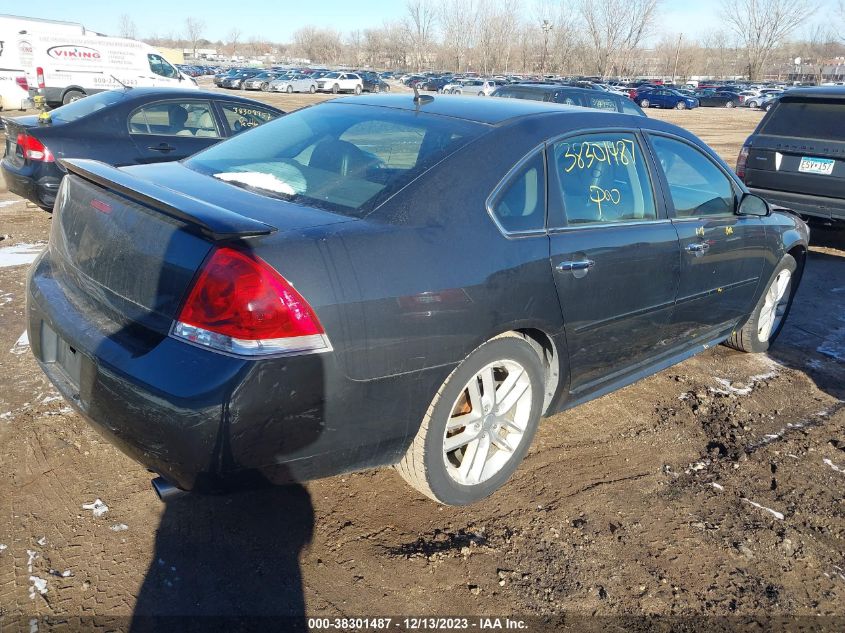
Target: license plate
[(823, 166)]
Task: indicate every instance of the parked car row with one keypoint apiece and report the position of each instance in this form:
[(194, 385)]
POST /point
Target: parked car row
[(301, 80)]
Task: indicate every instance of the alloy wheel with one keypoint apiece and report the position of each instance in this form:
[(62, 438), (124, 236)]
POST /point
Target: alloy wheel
[(488, 422), (777, 301)]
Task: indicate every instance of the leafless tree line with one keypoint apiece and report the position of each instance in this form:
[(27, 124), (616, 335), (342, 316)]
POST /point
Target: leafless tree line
[(572, 37)]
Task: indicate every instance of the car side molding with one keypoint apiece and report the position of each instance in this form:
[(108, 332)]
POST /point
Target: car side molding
[(209, 219)]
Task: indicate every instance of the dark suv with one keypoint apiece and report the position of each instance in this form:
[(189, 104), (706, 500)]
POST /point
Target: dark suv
[(569, 95), (796, 156)]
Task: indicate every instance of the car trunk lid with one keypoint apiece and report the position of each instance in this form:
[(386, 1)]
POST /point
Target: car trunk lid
[(128, 249)]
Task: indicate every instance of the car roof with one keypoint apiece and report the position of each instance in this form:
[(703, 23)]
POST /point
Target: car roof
[(555, 87), (487, 110), (138, 94), (815, 92)]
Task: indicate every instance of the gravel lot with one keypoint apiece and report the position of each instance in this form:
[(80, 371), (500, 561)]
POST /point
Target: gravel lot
[(711, 489)]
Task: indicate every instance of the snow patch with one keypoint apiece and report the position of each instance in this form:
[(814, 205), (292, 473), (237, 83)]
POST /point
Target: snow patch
[(98, 507), (834, 466), (50, 399), (2, 547), (727, 387), (20, 254), (39, 585), (32, 556), (21, 345), (42, 541), (718, 487), (833, 346), (119, 527), (261, 180), (774, 513)]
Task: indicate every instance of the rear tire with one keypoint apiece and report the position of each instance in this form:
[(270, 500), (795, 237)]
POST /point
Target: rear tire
[(680, 105), (769, 315), (500, 423), (729, 104), (335, 89), (644, 103), (290, 90), (72, 95), (265, 86), (357, 90), (312, 89)]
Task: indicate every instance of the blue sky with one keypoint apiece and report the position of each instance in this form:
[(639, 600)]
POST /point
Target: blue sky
[(277, 20)]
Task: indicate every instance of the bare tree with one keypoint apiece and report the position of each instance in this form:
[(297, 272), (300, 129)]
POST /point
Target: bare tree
[(457, 18), (421, 20), (763, 24), (233, 38), (127, 27), (318, 45), (822, 45), (616, 27), (193, 31)]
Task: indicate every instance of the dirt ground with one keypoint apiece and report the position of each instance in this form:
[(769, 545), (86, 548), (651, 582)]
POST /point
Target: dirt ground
[(711, 489)]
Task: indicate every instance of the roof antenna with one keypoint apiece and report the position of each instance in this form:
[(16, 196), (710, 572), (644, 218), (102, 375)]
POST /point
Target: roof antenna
[(421, 99)]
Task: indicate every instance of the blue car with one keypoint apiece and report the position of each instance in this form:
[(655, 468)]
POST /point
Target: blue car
[(665, 98)]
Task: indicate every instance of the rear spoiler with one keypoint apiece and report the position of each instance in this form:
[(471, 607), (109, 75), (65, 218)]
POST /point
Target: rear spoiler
[(209, 219)]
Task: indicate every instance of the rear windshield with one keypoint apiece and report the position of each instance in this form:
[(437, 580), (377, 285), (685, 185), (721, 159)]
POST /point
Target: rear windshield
[(814, 119), (88, 105), (341, 157)]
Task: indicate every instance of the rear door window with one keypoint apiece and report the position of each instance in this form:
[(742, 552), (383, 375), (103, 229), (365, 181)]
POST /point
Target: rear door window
[(603, 178), (240, 117), (697, 186), (817, 120), (174, 118)]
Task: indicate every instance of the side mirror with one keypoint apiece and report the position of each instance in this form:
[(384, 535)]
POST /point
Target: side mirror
[(753, 205)]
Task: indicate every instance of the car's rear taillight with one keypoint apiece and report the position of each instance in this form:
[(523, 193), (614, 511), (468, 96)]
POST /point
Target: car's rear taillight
[(39, 76), (241, 305), (741, 161), (21, 81), (33, 149)]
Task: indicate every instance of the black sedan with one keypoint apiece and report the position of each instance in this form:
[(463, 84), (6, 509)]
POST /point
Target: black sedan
[(721, 99), (392, 280), (373, 83), (120, 127)]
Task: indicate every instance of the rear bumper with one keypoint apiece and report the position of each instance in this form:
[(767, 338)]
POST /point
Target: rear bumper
[(814, 206), (37, 182), (207, 421)]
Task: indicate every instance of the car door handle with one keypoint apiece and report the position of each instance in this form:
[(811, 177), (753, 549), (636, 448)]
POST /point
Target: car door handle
[(583, 264), (698, 247), (162, 147)]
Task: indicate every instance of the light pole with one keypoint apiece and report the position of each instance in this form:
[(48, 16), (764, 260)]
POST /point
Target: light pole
[(547, 28)]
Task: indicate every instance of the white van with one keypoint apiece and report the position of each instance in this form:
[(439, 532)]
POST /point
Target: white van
[(65, 68), (14, 47)]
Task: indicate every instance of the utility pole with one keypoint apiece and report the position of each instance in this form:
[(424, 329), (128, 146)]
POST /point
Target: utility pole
[(547, 27), (677, 56)]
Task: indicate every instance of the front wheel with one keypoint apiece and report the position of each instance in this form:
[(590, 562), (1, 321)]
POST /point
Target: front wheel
[(290, 90), (479, 425), (357, 90), (769, 315), (312, 89), (681, 105), (644, 103), (768, 107), (729, 104), (335, 89), (265, 86)]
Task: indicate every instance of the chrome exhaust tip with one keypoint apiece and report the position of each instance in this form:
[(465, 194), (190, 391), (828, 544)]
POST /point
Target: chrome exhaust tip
[(165, 490)]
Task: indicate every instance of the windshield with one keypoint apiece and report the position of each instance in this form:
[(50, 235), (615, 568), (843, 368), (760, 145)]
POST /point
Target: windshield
[(88, 105), (341, 157), (331, 75)]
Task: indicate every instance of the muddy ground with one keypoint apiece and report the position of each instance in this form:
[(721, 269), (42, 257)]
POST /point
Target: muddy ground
[(711, 489)]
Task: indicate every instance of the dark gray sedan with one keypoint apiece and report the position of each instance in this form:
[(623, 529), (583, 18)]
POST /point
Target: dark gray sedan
[(396, 281)]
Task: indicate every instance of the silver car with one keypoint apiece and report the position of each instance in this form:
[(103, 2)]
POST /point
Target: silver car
[(260, 82), (295, 83)]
